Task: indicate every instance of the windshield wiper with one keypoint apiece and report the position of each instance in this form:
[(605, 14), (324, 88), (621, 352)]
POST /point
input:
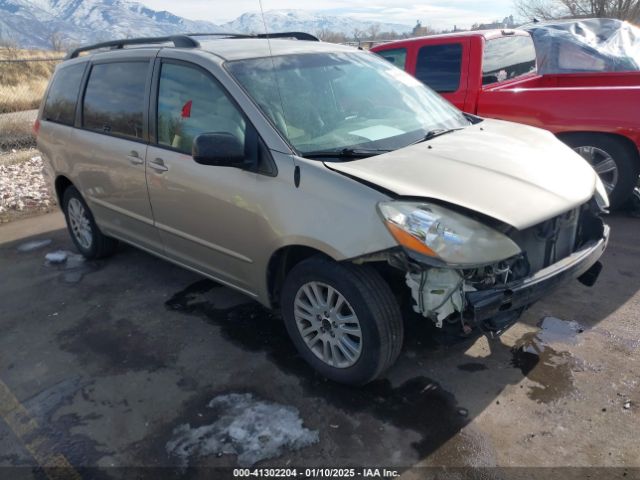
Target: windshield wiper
[(346, 153), (431, 134)]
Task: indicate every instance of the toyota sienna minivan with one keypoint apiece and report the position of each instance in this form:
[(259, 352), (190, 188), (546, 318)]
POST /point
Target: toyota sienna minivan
[(321, 181)]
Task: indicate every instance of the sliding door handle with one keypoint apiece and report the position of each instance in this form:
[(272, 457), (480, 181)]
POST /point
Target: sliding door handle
[(158, 165), (134, 158)]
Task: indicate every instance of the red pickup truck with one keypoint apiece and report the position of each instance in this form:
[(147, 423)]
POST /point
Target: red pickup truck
[(493, 74)]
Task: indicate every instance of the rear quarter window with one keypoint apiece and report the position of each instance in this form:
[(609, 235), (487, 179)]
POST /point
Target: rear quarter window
[(397, 56), (507, 58), (114, 100), (440, 67), (60, 105)]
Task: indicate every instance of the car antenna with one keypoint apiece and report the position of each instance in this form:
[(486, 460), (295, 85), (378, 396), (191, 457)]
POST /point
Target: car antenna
[(273, 63)]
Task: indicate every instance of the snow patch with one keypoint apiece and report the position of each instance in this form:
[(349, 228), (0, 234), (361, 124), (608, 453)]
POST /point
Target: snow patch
[(70, 259), (23, 186), (250, 428), (57, 257), (34, 245), (555, 330)]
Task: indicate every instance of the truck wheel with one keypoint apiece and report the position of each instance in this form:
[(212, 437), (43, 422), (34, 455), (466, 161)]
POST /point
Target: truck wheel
[(343, 319), (617, 164), (86, 235)]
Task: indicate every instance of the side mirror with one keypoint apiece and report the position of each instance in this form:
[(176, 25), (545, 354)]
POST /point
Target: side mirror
[(218, 149)]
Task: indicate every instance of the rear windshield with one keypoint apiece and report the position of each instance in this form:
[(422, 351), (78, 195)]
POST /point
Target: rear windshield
[(61, 101), (396, 56), (506, 58)]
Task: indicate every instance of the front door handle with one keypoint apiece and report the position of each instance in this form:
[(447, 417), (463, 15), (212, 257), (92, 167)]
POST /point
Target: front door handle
[(134, 158), (158, 165)]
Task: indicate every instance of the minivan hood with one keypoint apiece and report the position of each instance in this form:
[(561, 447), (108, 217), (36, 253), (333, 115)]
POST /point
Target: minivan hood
[(517, 174)]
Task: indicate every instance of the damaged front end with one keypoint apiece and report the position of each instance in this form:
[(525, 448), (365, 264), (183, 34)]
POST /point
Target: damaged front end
[(451, 287)]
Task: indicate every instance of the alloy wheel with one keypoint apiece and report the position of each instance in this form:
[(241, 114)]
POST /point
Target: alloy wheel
[(603, 164), (80, 223), (328, 324)]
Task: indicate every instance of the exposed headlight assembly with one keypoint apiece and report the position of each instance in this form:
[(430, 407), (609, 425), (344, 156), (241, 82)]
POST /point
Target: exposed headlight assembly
[(444, 235)]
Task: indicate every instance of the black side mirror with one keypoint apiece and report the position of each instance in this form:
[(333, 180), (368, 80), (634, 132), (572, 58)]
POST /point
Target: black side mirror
[(218, 149)]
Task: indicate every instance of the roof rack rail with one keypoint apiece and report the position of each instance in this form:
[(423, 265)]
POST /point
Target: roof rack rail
[(219, 34), (180, 41), (296, 35), (184, 40)]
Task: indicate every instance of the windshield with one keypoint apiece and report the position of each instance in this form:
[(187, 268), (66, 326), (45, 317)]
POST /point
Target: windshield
[(336, 101)]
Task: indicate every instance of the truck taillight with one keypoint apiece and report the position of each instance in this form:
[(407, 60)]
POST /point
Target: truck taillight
[(36, 127)]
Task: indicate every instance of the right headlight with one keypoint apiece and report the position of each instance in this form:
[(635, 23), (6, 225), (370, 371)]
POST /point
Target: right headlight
[(444, 235)]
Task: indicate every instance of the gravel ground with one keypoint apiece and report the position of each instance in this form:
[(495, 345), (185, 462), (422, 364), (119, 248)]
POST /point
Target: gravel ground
[(23, 189)]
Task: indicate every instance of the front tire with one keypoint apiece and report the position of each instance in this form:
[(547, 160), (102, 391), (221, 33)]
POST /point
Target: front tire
[(84, 232), (617, 164), (343, 319)]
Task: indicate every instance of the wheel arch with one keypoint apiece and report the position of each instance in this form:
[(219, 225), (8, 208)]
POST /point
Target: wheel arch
[(61, 185), (623, 139), (281, 263)]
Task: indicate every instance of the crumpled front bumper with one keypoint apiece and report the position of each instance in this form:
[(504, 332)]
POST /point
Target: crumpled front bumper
[(485, 304)]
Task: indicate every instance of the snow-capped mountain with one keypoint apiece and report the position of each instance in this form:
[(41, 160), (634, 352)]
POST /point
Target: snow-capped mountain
[(41, 23), (306, 21), (33, 23)]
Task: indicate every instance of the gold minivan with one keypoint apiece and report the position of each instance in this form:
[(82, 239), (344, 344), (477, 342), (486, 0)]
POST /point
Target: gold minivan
[(321, 181)]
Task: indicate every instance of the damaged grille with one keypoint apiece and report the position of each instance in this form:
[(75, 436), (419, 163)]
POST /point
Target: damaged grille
[(549, 242)]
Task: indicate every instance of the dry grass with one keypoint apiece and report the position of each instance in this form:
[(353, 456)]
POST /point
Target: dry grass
[(23, 84), (16, 130), (25, 96), (18, 156)]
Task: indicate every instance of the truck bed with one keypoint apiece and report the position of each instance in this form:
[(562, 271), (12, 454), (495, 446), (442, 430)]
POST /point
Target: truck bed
[(606, 102), (570, 80)]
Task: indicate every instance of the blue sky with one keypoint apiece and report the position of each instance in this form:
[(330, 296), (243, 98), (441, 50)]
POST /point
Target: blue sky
[(437, 13)]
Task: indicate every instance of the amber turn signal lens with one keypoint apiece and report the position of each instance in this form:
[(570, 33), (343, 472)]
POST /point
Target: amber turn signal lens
[(409, 241)]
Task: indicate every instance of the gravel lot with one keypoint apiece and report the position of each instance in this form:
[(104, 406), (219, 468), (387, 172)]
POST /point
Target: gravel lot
[(23, 190), (134, 362)]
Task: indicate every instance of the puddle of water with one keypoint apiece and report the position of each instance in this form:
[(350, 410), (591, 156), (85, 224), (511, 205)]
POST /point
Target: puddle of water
[(251, 428), (420, 404), (115, 346), (73, 266), (550, 369), (472, 367)]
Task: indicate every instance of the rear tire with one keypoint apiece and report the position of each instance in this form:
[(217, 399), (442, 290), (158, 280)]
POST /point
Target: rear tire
[(627, 163), (84, 231), (359, 350)]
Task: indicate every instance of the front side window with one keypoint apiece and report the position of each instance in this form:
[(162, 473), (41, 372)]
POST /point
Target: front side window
[(396, 56), (60, 105), (440, 67), (190, 102), (506, 58), (331, 101), (114, 99)]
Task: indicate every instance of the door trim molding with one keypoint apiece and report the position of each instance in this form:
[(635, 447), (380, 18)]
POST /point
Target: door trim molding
[(202, 242), (120, 210), (162, 256)]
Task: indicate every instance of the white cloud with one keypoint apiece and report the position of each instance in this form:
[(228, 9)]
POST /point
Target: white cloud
[(436, 13)]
